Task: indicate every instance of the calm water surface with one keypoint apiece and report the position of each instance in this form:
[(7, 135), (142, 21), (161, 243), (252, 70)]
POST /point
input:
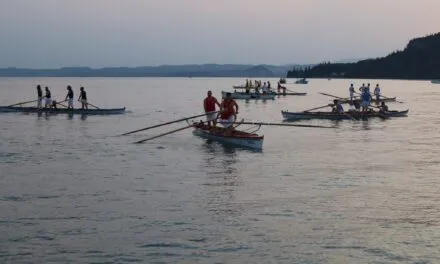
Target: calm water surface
[(73, 192)]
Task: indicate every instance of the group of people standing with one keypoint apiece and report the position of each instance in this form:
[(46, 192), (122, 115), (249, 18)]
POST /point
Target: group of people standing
[(265, 88), (52, 103), (365, 95), (364, 102), (227, 114)]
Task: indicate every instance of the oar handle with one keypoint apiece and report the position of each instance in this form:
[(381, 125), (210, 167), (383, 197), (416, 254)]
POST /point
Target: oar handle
[(164, 134), (167, 123), (21, 103)]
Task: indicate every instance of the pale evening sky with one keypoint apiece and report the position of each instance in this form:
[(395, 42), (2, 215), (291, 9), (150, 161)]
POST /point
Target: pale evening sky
[(101, 33)]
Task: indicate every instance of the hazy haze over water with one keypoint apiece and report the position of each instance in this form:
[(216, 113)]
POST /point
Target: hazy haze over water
[(98, 33)]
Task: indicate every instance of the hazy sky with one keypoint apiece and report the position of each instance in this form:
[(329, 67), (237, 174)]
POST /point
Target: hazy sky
[(99, 33)]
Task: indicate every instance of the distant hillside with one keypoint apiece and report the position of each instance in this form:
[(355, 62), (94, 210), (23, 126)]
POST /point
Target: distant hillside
[(205, 70), (419, 60)]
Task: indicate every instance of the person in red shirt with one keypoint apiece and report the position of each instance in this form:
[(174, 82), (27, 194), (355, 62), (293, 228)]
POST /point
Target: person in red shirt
[(229, 111), (209, 106)]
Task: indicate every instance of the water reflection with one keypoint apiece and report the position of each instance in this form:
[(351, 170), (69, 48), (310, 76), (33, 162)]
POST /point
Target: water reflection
[(222, 180)]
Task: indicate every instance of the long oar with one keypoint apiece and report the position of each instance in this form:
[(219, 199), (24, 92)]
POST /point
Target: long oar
[(164, 134), (93, 106), (280, 124), (316, 108), (334, 96), (60, 103), (167, 123), (27, 102)]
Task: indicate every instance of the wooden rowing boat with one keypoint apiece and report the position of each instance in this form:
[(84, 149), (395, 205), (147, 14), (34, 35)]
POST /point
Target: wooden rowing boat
[(235, 137), (248, 96), (291, 116), (100, 111)]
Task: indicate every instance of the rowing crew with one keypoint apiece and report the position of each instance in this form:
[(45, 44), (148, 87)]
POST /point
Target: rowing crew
[(356, 107), (364, 89), (227, 114), (51, 103)]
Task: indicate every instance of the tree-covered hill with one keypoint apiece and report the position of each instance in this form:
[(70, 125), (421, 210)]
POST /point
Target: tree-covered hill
[(419, 60)]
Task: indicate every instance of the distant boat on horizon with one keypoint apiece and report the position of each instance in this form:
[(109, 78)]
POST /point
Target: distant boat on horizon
[(302, 81)]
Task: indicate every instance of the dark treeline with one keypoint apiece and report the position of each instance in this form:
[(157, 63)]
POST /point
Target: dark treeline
[(419, 60)]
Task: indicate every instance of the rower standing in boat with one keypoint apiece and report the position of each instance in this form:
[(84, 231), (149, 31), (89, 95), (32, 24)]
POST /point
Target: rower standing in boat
[(377, 92), (48, 97), (209, 106), (69, 97), (228, 112), (366, 99), (83, 98), (264, 88), (351, 90), (40, 96), (362, 88)]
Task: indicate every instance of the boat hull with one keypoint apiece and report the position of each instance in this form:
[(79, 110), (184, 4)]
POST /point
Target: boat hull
[(238, 138), (108, 111), (292, 116), (248, 96)]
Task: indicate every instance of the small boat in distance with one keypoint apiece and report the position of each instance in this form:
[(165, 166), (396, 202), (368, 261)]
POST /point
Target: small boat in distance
[(283, 80), (302, 81), (100, 111), (248, 96), (235, 137), (292, 116), (435, 81)]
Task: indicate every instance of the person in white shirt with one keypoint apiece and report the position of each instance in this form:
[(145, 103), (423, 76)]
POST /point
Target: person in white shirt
[(377, 92), (351, 90)]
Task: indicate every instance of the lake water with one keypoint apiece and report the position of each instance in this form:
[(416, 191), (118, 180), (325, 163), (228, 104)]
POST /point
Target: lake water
[(73, 192)]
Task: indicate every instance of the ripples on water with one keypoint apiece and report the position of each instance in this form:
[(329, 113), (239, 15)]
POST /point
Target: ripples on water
[(73, 192)]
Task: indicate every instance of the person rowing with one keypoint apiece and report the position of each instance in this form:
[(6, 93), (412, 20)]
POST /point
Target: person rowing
[(228, 112), (377, 92), (83, 98), (337, 107), (209, 106), (40, 96), (48, 97), (383, 108), (69, 97), (351, 90)]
